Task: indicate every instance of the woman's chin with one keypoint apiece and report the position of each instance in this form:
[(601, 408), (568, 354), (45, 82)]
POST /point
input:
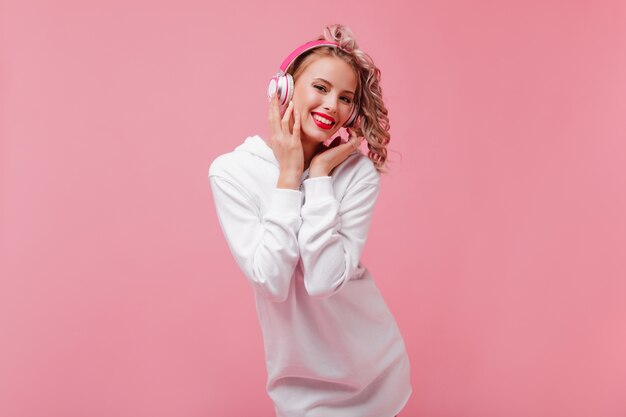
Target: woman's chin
[(314, 137), (318, 135)]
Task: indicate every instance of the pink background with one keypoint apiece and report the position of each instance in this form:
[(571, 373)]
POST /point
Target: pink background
[(499, 240)]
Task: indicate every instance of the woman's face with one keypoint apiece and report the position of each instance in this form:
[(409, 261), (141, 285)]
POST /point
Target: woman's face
[(323, 94)]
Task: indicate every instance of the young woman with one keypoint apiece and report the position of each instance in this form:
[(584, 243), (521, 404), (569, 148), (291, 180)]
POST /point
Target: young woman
[(296, 213)]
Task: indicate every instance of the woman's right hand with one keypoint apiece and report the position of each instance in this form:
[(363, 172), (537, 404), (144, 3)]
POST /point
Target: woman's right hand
[(285, 144)]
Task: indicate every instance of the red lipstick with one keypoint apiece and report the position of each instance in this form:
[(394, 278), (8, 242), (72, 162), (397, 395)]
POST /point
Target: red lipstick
[(321, 124)]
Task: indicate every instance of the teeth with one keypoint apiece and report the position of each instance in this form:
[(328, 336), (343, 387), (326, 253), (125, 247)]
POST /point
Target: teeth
[(321, 119)]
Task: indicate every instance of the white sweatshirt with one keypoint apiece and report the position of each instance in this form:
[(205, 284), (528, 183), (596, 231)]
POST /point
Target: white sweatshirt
[(332, 347)]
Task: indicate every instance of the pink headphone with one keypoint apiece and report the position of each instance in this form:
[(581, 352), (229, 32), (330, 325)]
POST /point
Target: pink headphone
[(282, 83)]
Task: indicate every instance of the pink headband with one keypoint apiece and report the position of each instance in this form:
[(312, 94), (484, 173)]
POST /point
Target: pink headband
[(302, 49)]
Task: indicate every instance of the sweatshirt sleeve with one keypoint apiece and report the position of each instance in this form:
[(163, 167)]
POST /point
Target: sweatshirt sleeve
[(264, 247), (333, 233)]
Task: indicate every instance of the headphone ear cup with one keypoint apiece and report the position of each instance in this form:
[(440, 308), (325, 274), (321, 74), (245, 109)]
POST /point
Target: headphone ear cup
[(288, 90), (271, 88), (282, 86)]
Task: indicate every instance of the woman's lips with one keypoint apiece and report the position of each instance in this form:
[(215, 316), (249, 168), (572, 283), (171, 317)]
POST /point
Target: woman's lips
[(321, 124), (324, 115)]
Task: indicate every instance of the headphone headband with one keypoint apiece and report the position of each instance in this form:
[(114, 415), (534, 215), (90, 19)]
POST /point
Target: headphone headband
[(302, 49)]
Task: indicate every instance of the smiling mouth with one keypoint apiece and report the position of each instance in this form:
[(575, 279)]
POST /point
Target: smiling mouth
[(322, 121)]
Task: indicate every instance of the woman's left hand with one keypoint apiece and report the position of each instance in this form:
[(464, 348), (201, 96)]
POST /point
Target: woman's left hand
[(326, 160)]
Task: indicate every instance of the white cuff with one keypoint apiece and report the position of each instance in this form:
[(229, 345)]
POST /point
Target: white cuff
[(318, 189)]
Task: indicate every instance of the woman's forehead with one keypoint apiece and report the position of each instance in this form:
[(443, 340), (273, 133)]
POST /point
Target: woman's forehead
[(334, 70)]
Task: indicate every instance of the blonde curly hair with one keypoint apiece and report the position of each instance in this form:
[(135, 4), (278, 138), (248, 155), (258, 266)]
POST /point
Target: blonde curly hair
[(372, 112)]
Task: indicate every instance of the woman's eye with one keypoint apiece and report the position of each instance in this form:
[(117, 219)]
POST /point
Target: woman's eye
[(322, 88)]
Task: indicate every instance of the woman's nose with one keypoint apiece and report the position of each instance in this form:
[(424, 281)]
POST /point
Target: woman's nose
[(331, 105)]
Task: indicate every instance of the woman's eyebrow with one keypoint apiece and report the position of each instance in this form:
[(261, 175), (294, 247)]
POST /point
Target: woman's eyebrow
[(329, 83)]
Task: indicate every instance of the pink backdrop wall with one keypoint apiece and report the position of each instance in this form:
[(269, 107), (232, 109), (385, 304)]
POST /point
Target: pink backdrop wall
[(499, 240)]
